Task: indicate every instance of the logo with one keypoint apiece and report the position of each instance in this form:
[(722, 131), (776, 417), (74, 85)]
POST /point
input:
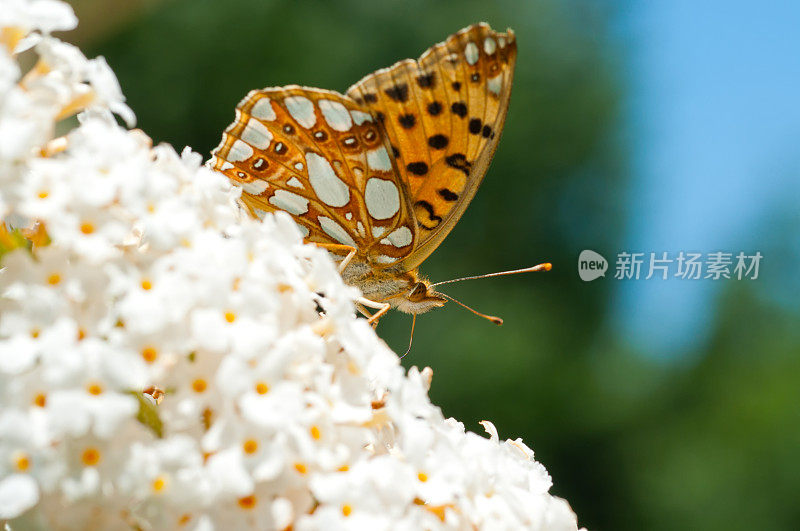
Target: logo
[(591, 265)]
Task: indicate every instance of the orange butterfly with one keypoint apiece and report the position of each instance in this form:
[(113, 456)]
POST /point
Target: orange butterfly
[(378, 176)]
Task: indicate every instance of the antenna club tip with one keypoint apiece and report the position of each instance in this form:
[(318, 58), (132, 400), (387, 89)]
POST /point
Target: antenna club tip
[(547, 266), (496, 320)]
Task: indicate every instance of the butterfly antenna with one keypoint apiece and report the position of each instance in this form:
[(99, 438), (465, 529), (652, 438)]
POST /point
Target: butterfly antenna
[(541, 267), (410, 339), (496, 320)]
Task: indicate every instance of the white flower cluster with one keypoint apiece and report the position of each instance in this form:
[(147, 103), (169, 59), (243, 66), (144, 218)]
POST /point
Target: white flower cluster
[(168, 363)]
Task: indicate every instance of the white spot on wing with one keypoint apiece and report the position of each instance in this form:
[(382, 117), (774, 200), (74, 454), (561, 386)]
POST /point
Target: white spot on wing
[(360, 117), (262, 109), (336, 115), (334, 230), (383, 259), (489, 46), (502, 41), (378, 159), (302, 110), (226, 165), (256, 134), (378, 231), (495, 83), (329, 188), (298, 166), (239, 152), (260, 213), (399, 238), (348, 216), (294, 181), (361, 231), (382, 198), (256, 187), (471, 53), (291, 203)]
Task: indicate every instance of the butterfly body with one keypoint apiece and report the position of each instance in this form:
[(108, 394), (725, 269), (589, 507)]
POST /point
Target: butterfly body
[(380, 175), (405, 291)]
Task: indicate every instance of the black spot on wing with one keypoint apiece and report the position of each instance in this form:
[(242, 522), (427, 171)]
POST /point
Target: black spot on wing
[(474, 126), (459, 161), (429, 215), (448, 195), (434, 108), (459, 108), (398, 93), (426, 80), (438, 141), (417, 168), (407, 121), (456, 85), (370, 97)]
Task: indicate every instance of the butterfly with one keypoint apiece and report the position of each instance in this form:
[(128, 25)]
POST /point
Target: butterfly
[(379, 175)]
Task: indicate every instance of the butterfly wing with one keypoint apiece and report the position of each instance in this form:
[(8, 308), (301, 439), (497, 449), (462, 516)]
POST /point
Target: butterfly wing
[(443, 115), (319, 156)]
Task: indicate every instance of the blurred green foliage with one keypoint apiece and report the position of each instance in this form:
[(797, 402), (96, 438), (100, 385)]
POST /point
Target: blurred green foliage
[(632, 443)]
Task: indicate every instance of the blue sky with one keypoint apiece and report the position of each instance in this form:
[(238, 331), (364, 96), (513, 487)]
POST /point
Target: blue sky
[(713, 121)]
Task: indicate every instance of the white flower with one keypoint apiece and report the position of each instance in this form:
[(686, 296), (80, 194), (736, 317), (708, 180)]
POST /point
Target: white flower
[(18, 493)]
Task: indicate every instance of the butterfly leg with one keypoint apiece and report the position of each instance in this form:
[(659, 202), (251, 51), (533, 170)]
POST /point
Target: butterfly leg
[(382, 308), (363, 311), (335, 248)]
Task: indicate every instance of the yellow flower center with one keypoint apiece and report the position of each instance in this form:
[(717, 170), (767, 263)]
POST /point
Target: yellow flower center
[(159, 484), (199, 385), (346, 509), (250, 446), (40, 399), (262, 388), (90, 456), (248, 502), (22, 461), (149, 354)]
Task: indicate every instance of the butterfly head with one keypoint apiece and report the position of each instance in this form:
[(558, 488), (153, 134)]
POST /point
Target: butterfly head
[(420, 298)]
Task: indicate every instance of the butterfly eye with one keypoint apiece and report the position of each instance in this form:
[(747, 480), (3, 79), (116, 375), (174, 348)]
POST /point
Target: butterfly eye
[(418, 292)]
